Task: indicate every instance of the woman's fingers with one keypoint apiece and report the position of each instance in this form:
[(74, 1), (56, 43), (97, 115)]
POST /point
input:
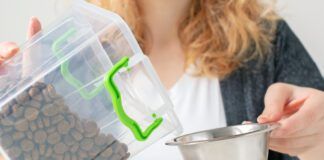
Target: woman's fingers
[(275, 101), (7, 50), (308, 115), (295, 145), (33, 27)]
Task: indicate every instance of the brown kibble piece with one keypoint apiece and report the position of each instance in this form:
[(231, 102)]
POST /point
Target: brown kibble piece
[(59, 102), (53, 138), (22, 97), (68, 140), (6, 109), (33, 104), (82, 155), (46, 96), (51, 91), (60, 148), (17, 111), (124, 147), (14, 152), (107, 153), (7, 122), (40, 136), (63, 127), (94, 151), (21, 125), (39, 85), (110, 139), (27, 145), (34, 91), (56, 119), (31, 113), (90, 128), (74, 148), (50, 110), (115, 157), (6, 141), (18, 136), (86, 144), (38, 98), (46, 122), (76, 135), (100, 140)]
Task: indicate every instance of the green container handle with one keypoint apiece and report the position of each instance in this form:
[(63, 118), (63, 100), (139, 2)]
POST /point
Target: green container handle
[(118, 106), (65, 68), (110, 86)]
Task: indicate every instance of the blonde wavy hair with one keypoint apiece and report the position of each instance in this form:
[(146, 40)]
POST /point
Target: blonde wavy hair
[(218, 36)]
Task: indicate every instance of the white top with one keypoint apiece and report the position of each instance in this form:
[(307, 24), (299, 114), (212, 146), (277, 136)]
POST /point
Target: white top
[(198, 105)]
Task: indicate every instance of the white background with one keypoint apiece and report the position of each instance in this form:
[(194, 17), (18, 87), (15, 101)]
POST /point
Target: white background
[(306, 17)]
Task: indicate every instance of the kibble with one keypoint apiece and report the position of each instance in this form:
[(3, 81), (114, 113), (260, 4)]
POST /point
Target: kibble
[(27, 145), (39, 125), (14, 152), (18, 136), (53, 138), (21, 125), (63, 127), (6, 141), (76, 135), (60, 148), (31, 113), (87, 144), (40, 136), (50, 110)]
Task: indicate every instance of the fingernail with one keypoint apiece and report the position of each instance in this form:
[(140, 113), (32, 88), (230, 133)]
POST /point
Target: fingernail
[(262, 119)]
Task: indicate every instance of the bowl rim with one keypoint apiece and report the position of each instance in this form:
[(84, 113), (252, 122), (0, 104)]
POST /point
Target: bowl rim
[(268, 127)]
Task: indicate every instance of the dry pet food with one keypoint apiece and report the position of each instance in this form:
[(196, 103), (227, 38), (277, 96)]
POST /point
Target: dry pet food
[(38, 125)]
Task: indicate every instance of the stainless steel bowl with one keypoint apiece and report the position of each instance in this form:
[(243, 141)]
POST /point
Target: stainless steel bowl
[(241, 142)]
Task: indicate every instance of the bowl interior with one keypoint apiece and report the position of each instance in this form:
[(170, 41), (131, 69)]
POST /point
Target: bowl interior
[(219, 134)]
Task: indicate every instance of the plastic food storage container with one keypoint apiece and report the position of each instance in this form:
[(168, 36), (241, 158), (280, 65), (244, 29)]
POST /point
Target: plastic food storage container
[(82, 89)]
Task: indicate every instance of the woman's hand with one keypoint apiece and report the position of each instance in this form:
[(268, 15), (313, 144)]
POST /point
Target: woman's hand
[(300, 111), (9, 49)]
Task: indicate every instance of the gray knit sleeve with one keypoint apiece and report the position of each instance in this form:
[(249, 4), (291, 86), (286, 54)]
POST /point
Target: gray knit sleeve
[(293, 64)]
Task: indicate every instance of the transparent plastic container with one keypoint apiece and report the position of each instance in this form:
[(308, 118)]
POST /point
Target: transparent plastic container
[(82, 89)]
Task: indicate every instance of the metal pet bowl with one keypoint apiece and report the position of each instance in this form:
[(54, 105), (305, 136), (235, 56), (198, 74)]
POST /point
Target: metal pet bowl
[(241, 142)]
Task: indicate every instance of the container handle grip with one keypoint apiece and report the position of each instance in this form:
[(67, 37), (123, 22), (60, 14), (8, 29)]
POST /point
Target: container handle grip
[(116, 98), (110, 86), (65, 68)]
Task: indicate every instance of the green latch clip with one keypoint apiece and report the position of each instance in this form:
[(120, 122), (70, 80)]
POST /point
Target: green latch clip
[(110, 86)]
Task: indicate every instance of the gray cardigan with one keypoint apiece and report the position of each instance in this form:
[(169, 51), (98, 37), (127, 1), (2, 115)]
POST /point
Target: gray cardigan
[(243, 91)]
